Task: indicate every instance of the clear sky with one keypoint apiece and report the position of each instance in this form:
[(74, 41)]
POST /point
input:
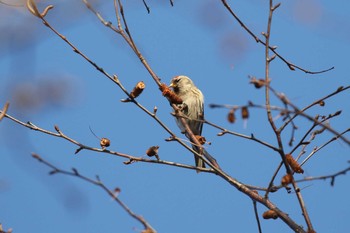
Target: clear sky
[(48, 84)]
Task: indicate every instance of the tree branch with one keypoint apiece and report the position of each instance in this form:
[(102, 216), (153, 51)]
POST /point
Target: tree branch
[(99, 183)]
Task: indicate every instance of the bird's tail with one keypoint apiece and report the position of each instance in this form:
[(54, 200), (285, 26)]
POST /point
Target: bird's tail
[(199, 162)]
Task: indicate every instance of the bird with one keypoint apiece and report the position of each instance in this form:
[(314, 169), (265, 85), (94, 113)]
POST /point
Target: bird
[(192, 108)]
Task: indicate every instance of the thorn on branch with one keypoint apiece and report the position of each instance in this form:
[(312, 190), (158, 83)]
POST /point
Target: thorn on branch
[(336, 113), (130, 161), (75, 171), (116, 191), (125, 100), (276, 6), (273, 189), (291, 67), (271, 58), (36, 156), (107, 24), (147, 8), (78, 150), (222, 133), (340, 88), (215, 106), (57, 129), (170, 139), (53, 172), (115, 78), (155, 109)]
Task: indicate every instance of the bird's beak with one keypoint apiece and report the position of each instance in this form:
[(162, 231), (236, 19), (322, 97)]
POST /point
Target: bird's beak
[(172, 84)]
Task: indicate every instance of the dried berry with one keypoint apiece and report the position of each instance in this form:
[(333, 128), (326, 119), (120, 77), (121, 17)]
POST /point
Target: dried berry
[(287, 179), (245, 112), (231, 116), (105, 142), (270, 214), (294, 164)]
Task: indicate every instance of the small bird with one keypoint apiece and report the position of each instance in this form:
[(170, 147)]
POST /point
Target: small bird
[(193, 108)]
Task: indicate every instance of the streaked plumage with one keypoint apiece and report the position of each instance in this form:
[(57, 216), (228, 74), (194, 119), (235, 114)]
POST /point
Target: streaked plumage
[(192, 107)]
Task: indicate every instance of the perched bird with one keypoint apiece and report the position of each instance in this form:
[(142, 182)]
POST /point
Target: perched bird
[(192, 108)]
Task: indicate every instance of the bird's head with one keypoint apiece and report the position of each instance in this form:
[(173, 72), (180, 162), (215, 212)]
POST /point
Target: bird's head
[(181, 84)]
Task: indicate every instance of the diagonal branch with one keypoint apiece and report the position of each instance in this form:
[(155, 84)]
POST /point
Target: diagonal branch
[(99, 183), (272, 48)]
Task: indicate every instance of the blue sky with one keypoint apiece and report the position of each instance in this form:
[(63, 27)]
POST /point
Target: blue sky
[(195, 38)]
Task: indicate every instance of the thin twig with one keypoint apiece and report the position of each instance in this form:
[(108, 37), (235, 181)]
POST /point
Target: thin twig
[(115, 78), (322, 146), (304, 143), (302, 111), (272, 48), (82, 146), (127, 37), (147, 7), (4, 110), (257, 216), (99, 183), (331, 177), (268, 60), (238, 185), (251, 137)]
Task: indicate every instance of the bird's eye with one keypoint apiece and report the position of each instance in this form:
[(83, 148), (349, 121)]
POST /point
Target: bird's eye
[(177, 80)]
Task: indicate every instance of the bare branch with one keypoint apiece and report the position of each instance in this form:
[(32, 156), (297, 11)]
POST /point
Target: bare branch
[(257, 216), (147, 7), (290, 65), (331, 177), (4, 110), (99, 183), (322, 146)]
